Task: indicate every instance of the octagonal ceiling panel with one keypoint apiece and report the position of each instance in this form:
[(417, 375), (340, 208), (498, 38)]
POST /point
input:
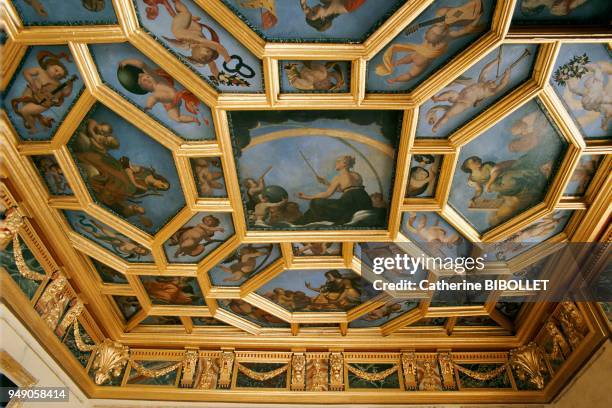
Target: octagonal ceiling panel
[(385, 313), (434, 235), (316, 169), (199, 237), (142, 82), (202, 44), (581, 79), (42, 91), (311, 290), (243, 263), (173, 290), (126, 171), (530, 236), (65, 12), (442, 31), (507, 169), (107, 237), (314, 20), (498, 73)]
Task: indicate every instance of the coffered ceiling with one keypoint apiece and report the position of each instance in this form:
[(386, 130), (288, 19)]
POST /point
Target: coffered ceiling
[(204, 172)]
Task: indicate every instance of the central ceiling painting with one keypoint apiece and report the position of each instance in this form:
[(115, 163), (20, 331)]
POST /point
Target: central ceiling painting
[(316, 170)]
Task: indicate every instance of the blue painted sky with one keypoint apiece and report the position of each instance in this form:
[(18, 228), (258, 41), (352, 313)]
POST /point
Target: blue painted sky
[(515, 246), (295, 280), (366, 321), (573, 187), (62, 12), (461, 248), (291, 172)]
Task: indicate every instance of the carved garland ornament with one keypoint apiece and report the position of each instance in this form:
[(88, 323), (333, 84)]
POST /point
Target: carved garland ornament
[(372, 376), (257, 376), (140, 369), (480, 376), (9, 228)]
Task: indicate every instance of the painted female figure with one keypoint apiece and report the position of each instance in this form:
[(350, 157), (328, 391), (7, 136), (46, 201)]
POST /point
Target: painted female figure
[(338, 291), (338, 210)]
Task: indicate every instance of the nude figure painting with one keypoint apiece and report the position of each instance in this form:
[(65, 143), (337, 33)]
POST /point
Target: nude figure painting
[(138, 79), (126, 171), (439, 33), (317, 290), (507, 169), (199, 237), (478, 88), (42, 91)]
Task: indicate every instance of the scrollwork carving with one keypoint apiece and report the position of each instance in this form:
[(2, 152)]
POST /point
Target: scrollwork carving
[(227, 365), (528, 361), (190, 361), (109, 360), (446, 369), (409, 368)]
